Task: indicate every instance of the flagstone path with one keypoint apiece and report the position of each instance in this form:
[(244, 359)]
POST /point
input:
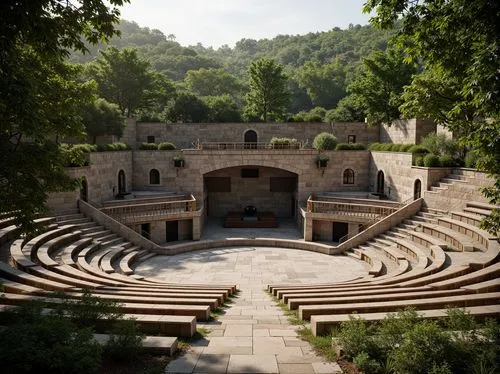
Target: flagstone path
[(253, 335)]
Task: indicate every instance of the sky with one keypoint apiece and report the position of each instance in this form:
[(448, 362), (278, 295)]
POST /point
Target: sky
[(218, 22)]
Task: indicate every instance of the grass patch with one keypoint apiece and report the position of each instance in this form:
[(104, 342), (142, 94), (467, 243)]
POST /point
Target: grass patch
[(321, 344), (185, 343)]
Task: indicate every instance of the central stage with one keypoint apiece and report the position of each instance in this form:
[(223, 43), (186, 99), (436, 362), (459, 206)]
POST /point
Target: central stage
[(259, 220)]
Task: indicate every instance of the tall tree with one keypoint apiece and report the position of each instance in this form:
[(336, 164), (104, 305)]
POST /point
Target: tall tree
[(268, 96), (187, 108), (213, 82), (458, 39), (102, 118), (123, 78), (324, 82), (40, 98), (380, 84)]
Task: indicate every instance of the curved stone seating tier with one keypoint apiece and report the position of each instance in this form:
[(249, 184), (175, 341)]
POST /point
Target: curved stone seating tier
[(306, 311), (470, 218), (490, 272), (156, 345), (171, 294), (70, 252), (10, 231), (113, 255), (45, 252), (16, 287), (295, 303), (126, 262), (492, 285), (452, 237), (201, 312), (474, 232), (287, 296), (31, 246), (321, 324)]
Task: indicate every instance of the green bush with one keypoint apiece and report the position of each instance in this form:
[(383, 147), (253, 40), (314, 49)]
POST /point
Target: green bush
[(405, 147), (166, 146), (36, 342), (284, 142), (471, 159), (418, 149), (355, 337), (350, 147), (419, 160), (375, 146), (431, 160), (113, 147), (386, 147), (440, 145), (396, 147), (325, 141), (125, 342), (366, 364), (447, 161), (149, 146)]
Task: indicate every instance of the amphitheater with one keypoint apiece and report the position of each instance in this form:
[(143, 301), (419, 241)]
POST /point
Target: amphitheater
[(240, 220)]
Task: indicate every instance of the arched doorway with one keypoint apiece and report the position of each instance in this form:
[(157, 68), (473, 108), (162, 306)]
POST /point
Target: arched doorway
[(380, 182), (250, 139), (84, 190), (122, 183), (417, 189)]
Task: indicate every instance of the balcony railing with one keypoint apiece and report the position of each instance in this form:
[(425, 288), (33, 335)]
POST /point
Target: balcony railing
[(366, 211), (145, 212), (244, 146)]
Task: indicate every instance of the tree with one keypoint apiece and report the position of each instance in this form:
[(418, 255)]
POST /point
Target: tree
[(187, 108), (213, 82), (123, 78), (349, 109), (102, 118), (458, 40), (324, 82), (268, 96), (40, 98), (379, 86), (222, 109)]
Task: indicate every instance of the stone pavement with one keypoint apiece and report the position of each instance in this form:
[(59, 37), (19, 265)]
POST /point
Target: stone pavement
[(253, 335)]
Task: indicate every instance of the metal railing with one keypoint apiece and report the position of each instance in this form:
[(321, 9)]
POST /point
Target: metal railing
[(150, 211), (213, 146)]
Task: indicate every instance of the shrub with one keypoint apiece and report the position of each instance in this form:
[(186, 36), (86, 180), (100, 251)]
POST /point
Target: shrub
[(325, 141), (431, 160), (113, 147), (418, 149), (350, 147), (447, 161), (149, 146), (471, 159), (125, 342), (396, 147), (355, 337), (166, 146), (386, 147), (440, 144), (375, 147), (358, 146), (405, 147), (366, 364), (284, 142), (419, 160)]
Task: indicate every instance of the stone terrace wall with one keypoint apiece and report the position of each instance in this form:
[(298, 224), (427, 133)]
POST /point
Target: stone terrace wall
[(189, 179), (406, 131), (184, 135), (400, 175)]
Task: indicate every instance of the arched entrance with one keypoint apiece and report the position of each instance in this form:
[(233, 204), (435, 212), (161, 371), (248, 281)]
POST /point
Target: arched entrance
[(268, 189), (84, 190), (250, 139), (122, 183), (380, 182), (417, 189)]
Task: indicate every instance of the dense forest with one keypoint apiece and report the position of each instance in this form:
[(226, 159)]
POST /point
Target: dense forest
[(196, 83)]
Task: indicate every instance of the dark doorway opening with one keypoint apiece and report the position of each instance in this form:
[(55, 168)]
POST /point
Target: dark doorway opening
[(340, 229), (172, 231), (146, 230), (292, 207), (84, 190), (380, 182), (250, 139), (122, 183), (417, 189)]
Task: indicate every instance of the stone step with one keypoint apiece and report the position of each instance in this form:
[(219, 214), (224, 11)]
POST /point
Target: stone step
[(480, 205)]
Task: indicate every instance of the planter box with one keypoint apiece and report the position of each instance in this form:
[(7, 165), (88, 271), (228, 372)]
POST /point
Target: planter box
[(179, 163), (321, 163)]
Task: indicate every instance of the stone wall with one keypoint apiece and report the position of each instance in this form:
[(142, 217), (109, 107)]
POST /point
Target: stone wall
[(187, 135), (406, 131), (400, 175)]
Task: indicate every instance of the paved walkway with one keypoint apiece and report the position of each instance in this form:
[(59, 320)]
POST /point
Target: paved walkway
[(253, 335)]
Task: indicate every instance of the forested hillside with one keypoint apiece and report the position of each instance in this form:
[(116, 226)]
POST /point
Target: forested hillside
[(318, 68)]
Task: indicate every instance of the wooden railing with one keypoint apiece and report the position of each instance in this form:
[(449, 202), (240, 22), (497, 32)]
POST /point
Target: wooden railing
[(244, 146), (150, 211)]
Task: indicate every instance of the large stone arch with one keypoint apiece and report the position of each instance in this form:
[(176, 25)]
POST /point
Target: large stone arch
[(225, 163)]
